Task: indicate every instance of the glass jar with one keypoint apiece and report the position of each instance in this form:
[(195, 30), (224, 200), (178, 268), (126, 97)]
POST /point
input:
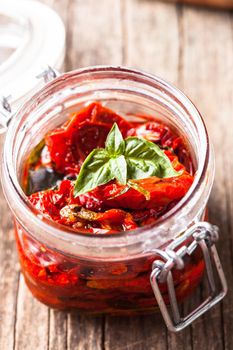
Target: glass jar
[(114, 274)]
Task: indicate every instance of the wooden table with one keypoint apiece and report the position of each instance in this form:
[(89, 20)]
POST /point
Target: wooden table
[(192, 48)]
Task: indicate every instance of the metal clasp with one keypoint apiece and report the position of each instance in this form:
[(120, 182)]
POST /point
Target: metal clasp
[(204, 235), (6, 113), (48, 74)]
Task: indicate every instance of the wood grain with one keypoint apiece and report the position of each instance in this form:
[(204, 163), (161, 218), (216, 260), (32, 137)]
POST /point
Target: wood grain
[(31, 328), (84, 332), (145, 332), (95, 37), (146, 23), (192, 48), (207, 77), (57, 330), (9, 274)]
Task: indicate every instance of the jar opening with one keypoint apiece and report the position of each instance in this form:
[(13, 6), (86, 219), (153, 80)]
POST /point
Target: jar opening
[(124, 90)]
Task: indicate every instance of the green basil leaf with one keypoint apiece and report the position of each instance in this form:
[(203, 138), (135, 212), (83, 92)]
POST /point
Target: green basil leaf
[(118, 168), (145, 159), (115, 144), (133, 158), (95, 171)]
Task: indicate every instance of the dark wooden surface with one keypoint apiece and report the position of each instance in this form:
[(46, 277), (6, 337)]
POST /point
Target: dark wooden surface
[(192, 48)]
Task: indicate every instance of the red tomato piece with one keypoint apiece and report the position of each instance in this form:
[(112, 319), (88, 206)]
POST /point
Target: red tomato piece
[(87, 129), (118, 217), (50, 202), (87, 137), (158, 133), (162, 193)]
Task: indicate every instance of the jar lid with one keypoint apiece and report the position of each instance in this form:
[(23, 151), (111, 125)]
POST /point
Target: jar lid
[(32, 37)]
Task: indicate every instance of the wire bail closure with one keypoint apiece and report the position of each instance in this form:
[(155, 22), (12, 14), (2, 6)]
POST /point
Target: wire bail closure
[(204, 235)]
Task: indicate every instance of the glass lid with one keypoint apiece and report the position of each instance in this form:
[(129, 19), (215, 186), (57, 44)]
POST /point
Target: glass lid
[(32, 37)]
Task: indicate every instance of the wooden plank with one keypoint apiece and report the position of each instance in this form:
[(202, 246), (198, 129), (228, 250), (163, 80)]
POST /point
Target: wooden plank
[(9, 274), (84, 333), (95, 37), (128, 333), (64, 11), (149, 44), (89, 43), (31, 330), (182, 340), (57, 323), (207, 77), (57, 330), (37, 327), (145, 25)]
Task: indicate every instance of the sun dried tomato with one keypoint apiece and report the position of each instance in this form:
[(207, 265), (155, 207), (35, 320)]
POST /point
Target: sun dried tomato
[(162, 192), (122, 286), (87, 129), (50, 202), (114, 207)]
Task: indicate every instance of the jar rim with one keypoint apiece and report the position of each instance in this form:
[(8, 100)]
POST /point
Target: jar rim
[(65, 233)]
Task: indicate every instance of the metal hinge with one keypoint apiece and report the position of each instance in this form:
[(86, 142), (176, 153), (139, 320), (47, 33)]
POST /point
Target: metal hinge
[(204, 236), (6, 112), (48, 74)]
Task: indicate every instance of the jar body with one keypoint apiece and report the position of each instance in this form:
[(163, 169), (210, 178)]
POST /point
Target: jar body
[(119, 287), (104, 274)]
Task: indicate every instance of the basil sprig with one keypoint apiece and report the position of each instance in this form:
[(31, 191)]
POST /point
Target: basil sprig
[(132, 158)]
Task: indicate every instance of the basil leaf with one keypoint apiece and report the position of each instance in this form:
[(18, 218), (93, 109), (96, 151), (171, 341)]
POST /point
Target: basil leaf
[(95, 171), (133, 158), (118, 168), (115, 144), (145, 159)]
